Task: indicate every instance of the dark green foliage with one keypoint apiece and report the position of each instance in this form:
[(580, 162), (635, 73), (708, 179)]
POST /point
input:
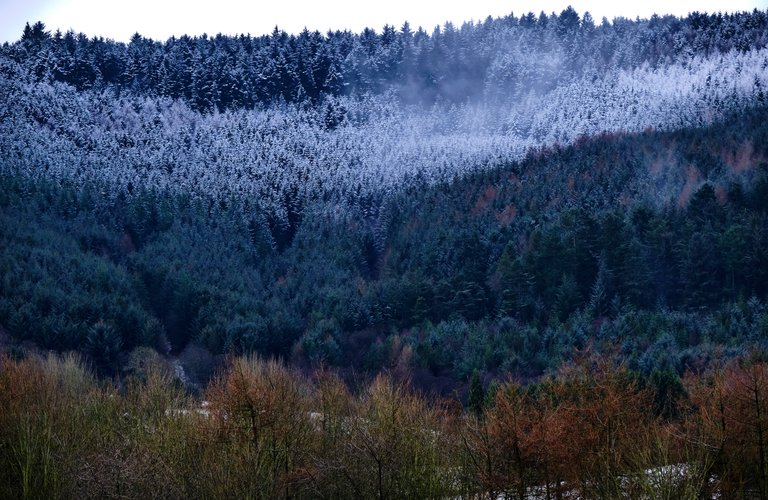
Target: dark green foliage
[(53, 289), (321, 343), (103, 345), (668, 394), (663, 284), (476, 398)]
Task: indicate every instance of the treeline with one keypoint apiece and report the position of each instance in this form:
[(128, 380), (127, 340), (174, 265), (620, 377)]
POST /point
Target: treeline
[(505, 58), (595, 429)]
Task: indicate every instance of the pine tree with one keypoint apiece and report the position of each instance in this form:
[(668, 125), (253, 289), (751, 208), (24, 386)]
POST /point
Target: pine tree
[(476, 400), (600, 297)]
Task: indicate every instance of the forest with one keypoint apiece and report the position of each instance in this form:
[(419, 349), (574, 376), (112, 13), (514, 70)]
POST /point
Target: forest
[(461, 258)]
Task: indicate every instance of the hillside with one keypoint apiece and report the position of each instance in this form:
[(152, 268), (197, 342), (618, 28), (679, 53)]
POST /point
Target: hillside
[(485, 198)]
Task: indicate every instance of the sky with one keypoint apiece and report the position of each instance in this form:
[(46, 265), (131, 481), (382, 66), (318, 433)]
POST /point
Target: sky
[(160, 19)]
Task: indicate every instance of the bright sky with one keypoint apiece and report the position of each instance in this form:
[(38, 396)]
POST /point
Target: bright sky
[(159, 19)]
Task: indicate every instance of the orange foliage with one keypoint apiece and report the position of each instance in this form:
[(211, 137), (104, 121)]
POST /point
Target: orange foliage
[(729, 419), (506, 216), (692, 178), (485, 199), (588, 431), (575, 432)]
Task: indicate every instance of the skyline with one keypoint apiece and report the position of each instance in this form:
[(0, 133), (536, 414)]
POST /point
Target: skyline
[(160, 20)]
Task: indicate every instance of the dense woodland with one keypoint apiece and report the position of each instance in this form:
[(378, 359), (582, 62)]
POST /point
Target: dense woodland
[(528, 216), (509, 55)]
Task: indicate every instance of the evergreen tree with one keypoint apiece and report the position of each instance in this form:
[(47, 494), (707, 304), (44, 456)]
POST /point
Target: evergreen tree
[(476, 399)]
